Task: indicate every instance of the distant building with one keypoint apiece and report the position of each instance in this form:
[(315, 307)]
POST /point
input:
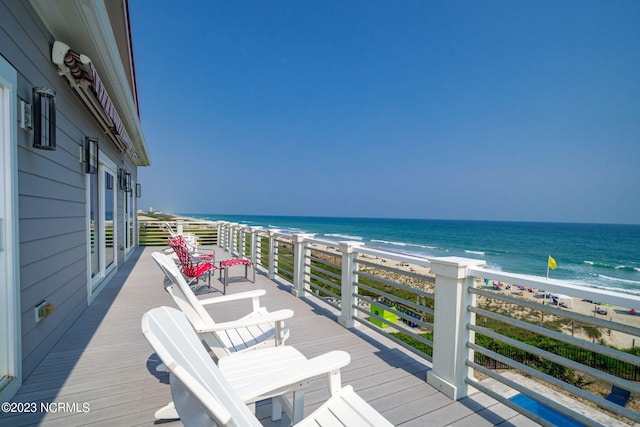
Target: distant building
[(71, 144)]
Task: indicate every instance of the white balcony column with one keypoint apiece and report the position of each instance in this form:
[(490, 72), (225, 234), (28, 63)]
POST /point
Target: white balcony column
[(300, 254), (220, 226), (180, 227), (227, 233), (450, 333), (241, 245), (349, 277), (253, 242), (233, 239), (273, 234)]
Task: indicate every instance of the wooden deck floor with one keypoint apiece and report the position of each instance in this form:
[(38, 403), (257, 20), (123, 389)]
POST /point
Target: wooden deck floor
[(104, 363)]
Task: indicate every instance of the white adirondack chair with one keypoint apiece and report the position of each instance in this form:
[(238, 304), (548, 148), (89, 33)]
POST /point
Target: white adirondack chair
[(257, 329), (203, 396)]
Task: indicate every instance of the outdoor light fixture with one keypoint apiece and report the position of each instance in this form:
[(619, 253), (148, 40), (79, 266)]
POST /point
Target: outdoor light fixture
[(138, 190), (90, 155), (124, 180), (44, 118)]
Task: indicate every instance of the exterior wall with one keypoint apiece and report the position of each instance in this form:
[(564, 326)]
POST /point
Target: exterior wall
[(52, 201)]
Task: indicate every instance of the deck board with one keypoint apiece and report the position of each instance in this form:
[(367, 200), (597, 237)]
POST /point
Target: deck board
[(104, 360)]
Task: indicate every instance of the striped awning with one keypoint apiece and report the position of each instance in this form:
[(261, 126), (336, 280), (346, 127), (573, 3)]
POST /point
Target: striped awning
[(83, 77)]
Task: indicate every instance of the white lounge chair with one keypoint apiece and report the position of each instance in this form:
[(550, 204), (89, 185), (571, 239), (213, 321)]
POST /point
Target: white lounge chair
[(203, 396), (257, 329)]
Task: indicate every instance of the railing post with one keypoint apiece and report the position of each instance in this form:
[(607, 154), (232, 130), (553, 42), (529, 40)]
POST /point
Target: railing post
[(347, 287), (226, 226), (272, 253), (180, 227), (221, 234), (450, 333), (253, 235), (300, 254), (241, 243), (233, 226)]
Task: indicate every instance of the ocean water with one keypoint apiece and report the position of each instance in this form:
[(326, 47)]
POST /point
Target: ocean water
[(605, 256)]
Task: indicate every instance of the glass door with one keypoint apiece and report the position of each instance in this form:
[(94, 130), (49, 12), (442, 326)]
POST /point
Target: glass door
[(102, 222)]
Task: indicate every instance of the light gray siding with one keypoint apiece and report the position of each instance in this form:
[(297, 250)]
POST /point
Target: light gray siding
[(51, 189)]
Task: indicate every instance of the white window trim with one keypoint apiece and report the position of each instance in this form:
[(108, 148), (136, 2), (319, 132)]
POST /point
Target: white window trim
[(11, 336)]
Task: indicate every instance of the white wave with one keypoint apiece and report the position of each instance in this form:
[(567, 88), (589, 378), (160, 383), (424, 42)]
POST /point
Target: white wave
[(589, 262), (475, 252), (344, 236), (627, 268), (390, 243), (632, 282)]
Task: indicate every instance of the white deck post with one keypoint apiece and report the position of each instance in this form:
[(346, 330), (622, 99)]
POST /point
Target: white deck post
[(272, 253), (227, 233), (241, 243), (233, 238), (220, 228), (450, 333), (180, 226), (300, 254), (349, 277), (253, 235)]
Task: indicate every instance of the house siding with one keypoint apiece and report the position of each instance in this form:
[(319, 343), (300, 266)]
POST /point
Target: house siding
[(52, 203)]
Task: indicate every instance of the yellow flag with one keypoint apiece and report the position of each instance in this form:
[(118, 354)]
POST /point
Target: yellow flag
[(552, 263)]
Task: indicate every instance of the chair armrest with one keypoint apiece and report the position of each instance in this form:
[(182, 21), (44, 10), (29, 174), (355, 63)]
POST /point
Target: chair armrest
[(234, 297), (281, 380), (276, 316)]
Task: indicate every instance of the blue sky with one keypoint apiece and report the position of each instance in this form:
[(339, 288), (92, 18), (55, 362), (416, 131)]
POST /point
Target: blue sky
[(490, 110)]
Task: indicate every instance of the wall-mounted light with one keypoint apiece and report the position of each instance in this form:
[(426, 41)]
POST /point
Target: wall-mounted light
[(121, 183), (90, 155), (124, 180), (127, 182), (44, 118), (138, 190)]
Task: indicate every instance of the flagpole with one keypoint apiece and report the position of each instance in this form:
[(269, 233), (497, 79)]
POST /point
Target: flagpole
[(548, 265)]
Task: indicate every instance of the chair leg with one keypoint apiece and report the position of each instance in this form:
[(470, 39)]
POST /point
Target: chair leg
[(276, 409), (226, 274), (298, 406), (167, 412)]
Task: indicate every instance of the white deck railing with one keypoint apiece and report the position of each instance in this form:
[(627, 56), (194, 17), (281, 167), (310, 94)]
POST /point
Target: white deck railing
[(441, 315)]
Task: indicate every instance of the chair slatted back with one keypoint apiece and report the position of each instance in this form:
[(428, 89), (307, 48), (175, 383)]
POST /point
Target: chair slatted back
[(187, 302), (191, 266)]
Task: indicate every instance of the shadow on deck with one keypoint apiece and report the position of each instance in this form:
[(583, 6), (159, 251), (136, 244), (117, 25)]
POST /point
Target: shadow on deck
[(103, 371)]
